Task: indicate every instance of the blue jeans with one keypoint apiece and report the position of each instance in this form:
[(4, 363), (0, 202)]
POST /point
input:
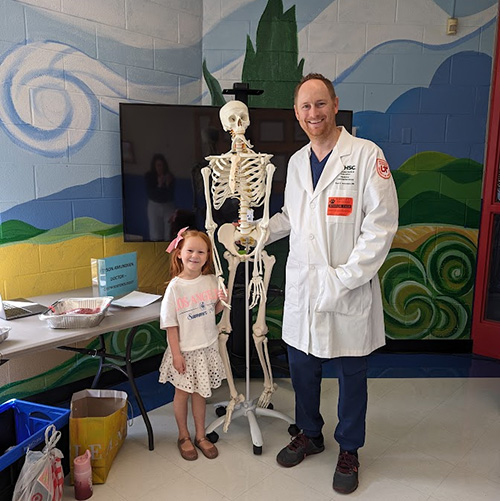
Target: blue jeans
[(306, 374)]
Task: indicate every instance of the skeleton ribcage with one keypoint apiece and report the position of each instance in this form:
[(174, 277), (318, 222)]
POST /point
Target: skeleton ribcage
[(249, 178)]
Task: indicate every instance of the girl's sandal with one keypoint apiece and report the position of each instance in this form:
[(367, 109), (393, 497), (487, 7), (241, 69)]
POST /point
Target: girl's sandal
[(190, 454), (208, 448)]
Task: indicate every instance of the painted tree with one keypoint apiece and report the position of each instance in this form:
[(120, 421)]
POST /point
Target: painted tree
[(272, 65)]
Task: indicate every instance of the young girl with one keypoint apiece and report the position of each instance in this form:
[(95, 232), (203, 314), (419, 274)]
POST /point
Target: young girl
[(192, 362)]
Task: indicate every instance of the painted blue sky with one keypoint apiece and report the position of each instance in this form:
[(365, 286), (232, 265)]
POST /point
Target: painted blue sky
[(448, 116), (403, 117)]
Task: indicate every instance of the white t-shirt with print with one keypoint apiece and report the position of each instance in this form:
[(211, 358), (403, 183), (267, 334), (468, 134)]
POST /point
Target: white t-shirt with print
[(190, 305)]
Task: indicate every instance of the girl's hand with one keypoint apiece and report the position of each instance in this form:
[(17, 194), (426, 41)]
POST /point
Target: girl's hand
[(179, 364), (222, 295)]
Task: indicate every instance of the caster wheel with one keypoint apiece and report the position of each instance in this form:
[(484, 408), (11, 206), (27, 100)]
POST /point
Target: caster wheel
[(220, 411), (293, 430), (213, 437), (257, 450)]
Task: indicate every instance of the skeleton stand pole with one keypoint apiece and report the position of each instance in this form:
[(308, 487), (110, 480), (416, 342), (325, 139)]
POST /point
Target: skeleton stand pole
[(249, 407)]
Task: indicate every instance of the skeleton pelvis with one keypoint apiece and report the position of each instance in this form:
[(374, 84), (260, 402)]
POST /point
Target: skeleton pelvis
[(236, 243)]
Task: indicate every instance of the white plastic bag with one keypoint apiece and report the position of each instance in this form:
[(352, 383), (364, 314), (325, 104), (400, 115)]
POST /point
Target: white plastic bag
[(41, 477)]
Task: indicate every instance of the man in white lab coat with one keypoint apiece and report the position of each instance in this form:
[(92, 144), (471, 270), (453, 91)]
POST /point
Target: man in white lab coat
[(341, 213)]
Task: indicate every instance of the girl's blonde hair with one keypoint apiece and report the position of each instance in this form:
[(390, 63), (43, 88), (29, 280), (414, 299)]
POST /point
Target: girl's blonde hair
[(176, 266)]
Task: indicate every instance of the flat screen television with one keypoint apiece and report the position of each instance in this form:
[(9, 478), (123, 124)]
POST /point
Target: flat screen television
[(163, 149)]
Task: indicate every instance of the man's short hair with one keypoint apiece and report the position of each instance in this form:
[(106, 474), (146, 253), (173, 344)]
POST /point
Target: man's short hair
[(315, 76)]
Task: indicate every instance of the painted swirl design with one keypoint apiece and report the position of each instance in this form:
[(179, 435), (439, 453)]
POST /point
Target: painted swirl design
[(428, 293), (449, 260), (62, 85), (149, 340)]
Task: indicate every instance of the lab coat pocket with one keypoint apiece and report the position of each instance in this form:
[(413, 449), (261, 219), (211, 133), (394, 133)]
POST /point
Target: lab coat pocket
[(335, 297)]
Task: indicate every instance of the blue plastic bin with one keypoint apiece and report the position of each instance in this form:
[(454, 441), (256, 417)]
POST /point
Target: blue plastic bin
[(22, 426)]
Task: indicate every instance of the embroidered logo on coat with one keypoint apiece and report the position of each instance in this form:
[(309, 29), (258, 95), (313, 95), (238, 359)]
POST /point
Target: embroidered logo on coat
[(383, 168), (339, 206), (347, 177)]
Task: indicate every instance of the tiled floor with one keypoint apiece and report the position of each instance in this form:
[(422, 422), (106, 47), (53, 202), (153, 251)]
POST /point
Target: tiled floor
[(427, 440)]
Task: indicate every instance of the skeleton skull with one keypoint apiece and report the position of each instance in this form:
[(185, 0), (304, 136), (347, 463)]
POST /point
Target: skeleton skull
[(234, 117)]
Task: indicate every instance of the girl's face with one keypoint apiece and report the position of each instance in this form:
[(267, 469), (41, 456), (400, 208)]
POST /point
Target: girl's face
[(194, 255)]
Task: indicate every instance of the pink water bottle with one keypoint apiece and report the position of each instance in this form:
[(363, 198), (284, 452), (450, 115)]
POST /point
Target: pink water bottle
[(82, 473)]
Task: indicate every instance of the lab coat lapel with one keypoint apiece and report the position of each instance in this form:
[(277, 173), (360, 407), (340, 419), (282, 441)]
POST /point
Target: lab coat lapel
[(306, 160), (335, 165)]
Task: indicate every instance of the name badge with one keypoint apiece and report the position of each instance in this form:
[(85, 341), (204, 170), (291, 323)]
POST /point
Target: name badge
[(339, 206)]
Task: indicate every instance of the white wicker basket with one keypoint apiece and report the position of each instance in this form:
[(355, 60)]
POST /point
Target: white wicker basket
[(68, 314)]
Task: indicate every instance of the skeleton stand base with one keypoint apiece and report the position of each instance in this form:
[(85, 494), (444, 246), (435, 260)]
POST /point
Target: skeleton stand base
[(249, 407)]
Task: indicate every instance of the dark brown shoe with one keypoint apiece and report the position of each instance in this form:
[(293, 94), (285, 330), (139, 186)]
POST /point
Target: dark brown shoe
[(345, 479), (207, 448), (190, 454), (296, 451)]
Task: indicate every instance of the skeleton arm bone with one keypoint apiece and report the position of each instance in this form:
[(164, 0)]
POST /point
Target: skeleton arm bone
[(211, 226), (224, 324), (264, 222), (257, 287)]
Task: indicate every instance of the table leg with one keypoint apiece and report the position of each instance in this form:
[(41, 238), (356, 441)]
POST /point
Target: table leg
[(102, 350), (130, 373), (101, 353)]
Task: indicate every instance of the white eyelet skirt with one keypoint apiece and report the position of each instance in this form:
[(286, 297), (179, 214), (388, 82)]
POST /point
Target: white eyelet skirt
[(204, 370)]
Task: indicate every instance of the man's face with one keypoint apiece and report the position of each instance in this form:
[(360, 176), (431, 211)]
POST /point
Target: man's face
[(315, 109)]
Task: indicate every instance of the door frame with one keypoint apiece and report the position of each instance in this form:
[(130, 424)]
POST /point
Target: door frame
[(486, 333)]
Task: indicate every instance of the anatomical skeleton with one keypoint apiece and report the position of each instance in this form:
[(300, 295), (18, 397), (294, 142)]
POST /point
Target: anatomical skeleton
[(247, 176)]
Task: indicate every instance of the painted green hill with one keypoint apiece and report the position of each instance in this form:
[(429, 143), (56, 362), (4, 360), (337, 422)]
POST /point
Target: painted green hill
[(427, 160), (15, 231), (435, 188), (443, 210), (77, 228)]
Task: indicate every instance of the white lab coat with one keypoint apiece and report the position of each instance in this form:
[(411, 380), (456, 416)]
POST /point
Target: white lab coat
[(340, 235)]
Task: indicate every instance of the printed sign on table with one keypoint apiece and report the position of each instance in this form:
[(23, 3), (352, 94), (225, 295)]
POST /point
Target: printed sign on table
[(115, 275)]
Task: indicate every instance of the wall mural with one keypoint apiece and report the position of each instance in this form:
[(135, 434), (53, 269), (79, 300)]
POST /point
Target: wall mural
[(428, 277), (432, 133)]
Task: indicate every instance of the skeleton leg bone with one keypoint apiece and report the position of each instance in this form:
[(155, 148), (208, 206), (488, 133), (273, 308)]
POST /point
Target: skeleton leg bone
[(224, 330), (235, 397), (259, 331)]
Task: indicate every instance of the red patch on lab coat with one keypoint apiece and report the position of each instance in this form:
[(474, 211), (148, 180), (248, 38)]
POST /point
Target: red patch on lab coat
[(383, 168), (339, 206)]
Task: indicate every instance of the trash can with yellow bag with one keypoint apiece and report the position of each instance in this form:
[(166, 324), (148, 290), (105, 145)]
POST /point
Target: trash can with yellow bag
[(97, 422)]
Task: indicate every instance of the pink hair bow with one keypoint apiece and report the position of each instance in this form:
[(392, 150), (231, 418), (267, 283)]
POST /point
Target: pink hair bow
[(175, 242)]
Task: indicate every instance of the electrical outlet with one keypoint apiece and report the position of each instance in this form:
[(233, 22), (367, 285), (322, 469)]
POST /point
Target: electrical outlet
[(452, 26)]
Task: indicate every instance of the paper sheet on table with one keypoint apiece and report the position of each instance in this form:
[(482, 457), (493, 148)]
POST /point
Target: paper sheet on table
[(136, 299)]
